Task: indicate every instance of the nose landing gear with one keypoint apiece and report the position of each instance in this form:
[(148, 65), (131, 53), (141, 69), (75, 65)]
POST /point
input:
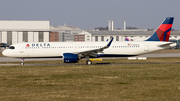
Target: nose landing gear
[(22, 61)]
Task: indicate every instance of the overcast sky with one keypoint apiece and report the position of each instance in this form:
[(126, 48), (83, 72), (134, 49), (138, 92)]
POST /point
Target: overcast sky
[(88, 14)]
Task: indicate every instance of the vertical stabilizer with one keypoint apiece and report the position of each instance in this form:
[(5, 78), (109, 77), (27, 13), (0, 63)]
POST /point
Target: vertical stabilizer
[(164, 31)]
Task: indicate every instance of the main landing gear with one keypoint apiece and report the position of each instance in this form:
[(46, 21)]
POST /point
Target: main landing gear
[(22, 61), (89, 62)]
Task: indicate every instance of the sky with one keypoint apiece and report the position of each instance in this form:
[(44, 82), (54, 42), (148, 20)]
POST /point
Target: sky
[(89, 14)]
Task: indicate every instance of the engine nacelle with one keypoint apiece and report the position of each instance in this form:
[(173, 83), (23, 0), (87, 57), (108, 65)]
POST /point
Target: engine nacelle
[(70, 58)]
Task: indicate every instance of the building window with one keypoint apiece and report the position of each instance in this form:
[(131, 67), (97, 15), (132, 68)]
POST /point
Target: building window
[(41, 37), (76, 36), (25, 36), (102, 38), (81, 39), (117, 38), (111, 37), (9, 37), (81, 36), (96, 38)]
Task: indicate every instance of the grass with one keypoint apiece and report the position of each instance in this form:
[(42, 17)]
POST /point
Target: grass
[(1, 54), (150, 82)]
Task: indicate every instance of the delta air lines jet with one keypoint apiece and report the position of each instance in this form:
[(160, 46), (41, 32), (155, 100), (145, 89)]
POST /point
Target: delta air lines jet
[(71, 52)]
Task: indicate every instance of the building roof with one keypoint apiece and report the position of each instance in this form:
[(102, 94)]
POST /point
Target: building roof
[(24, 25), (64, 28), (29, 30), (128, 32)]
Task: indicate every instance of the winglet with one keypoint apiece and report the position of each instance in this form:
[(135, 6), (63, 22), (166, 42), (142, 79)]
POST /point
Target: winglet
[(108, 45)]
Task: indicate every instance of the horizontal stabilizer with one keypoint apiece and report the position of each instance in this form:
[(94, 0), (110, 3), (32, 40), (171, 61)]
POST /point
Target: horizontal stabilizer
[(168, 45)]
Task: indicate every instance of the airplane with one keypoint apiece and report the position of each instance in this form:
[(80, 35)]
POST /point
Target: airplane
[(127, 39), (72, 52)]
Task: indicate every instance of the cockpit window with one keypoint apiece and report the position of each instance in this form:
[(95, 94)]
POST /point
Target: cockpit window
[(11, 47)]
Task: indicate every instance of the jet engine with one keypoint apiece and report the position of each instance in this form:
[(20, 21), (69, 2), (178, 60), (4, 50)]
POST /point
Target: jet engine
[(70, 58)]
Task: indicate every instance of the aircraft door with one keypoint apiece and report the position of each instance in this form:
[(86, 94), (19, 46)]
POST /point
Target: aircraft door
[(21, 48), (146, 47)]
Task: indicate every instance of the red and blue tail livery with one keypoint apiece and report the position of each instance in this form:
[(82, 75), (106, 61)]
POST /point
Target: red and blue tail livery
[(127, 39), (164, 31)]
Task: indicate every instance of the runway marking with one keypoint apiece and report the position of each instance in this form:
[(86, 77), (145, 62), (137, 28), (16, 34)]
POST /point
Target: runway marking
[(8, 64)]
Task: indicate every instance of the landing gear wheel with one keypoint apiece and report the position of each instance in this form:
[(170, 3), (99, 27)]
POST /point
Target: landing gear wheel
[(21, 63), (88, 62)]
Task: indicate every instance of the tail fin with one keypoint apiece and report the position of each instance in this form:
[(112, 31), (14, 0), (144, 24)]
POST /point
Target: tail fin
[(164, 31), (127, 39)]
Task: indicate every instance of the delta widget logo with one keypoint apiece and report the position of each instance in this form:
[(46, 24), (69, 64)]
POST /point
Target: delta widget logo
[(38, 45), (27, 45)]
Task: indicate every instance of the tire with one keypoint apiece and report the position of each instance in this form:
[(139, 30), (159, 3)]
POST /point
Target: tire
[(21, 63), (88, 62)]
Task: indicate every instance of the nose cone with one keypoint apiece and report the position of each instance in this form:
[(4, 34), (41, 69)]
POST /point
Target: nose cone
[(5, 53)]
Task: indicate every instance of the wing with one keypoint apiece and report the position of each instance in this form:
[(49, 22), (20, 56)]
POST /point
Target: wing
[(94, 52)]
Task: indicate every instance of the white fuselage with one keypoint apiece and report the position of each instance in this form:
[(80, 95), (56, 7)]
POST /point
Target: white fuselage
[(56, 49)]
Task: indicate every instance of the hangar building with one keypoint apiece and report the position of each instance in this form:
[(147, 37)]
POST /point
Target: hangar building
[(63, 33), (12, 32), (132, 35)]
